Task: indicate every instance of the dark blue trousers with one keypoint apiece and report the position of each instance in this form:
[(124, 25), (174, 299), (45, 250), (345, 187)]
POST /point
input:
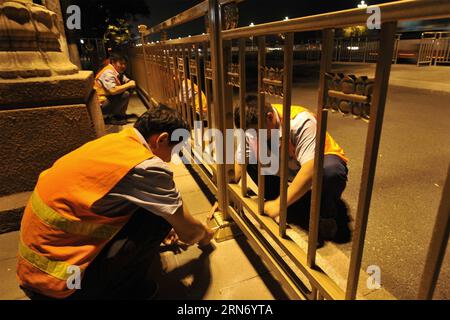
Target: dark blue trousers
[(335, 179)]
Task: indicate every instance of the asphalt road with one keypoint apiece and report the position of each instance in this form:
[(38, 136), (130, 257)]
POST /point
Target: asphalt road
[(413, 161)]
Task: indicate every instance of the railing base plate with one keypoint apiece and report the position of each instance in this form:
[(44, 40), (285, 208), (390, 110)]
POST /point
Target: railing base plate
[(225, 229)]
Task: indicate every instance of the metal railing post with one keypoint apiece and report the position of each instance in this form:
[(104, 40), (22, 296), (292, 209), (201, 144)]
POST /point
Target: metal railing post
[(242, 99), (142, 29), (287, 99), (438, 246), (200, 93), (381, 85), (261, 120), (208, 89), (215, 23), (322, 120)]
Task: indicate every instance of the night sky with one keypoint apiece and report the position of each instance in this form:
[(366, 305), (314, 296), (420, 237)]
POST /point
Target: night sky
[(256, 11)]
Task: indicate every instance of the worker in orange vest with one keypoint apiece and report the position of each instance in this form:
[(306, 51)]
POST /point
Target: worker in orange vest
[(97, 217), (113, 89), (193, 89), (334, 218)]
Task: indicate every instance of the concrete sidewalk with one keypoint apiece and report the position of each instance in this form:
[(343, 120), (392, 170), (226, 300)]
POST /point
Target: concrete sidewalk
[(233, 271), (433, 78)]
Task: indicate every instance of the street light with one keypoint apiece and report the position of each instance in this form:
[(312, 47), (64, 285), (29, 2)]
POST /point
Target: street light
[(286, 19), (252, 24), (362, 5)]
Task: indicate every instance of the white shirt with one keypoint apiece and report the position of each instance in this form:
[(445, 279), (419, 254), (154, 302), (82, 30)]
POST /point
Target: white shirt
[(302, 135)]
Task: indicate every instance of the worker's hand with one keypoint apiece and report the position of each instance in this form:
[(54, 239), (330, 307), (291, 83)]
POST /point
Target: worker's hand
[(209, 235), (132, 84), (272, 209), (171, 239)]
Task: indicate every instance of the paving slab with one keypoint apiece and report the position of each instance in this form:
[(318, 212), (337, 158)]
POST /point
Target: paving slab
[(196, 202), (216, 275), (9, 289), (14, 201), (254, 289), (9, 245)]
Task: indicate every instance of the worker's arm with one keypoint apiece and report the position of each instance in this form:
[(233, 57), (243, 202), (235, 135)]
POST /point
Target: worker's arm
[(299, 187), (188, 229), (304, 140), (121, 89), (237, 173)]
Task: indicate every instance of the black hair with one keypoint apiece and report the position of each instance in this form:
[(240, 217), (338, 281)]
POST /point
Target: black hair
[(159, 120), (116, 57), (251, 111)]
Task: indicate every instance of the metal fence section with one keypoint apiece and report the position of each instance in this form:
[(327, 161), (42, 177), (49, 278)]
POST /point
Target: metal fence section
[(442, 48), (426, 50), (362, 49), (434, 48), (180, 72)]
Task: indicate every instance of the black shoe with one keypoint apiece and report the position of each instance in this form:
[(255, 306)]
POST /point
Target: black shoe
[(343, 219)]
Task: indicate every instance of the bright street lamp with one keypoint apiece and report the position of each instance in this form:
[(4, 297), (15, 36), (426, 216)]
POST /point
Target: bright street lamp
[(362, 5)]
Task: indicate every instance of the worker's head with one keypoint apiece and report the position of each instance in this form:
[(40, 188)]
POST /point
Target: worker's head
[(251, 114), (157, 126), (119, 62)]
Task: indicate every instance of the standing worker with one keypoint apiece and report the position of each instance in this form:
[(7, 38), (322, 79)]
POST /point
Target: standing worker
[(104, 210)]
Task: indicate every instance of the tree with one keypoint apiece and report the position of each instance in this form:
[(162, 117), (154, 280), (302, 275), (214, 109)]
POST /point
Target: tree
[(354, 31), (117, 34)]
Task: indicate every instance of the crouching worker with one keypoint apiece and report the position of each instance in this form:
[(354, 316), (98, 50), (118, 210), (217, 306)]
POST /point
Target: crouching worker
[(192, 91), (302, 143), (114, 90), (100, 214)]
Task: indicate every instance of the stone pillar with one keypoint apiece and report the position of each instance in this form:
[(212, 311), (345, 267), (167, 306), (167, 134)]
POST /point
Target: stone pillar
[(55, 6), (46, 103), (70, 49)]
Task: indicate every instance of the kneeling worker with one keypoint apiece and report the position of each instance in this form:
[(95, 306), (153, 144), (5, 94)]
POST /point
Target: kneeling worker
[(302, 144), (103, 211), (113, 90)]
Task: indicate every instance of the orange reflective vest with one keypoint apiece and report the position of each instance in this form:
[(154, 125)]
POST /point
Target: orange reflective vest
[(331, 146), (182, 96), (59, 230), (98, 86)]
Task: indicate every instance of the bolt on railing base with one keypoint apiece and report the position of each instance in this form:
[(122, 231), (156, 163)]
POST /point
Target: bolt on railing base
[(225, 229)]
